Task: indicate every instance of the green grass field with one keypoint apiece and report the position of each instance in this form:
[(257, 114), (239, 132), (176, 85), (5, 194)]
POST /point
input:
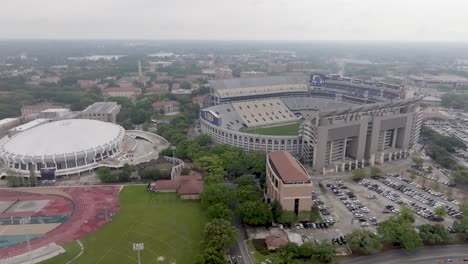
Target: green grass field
[(170, 228), (72, 250), (284, 130)]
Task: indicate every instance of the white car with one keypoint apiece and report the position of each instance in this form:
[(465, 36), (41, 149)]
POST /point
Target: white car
[(364, 224)]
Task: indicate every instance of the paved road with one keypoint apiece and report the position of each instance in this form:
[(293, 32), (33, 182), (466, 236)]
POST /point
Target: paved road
[(425, 255), (238, 252)]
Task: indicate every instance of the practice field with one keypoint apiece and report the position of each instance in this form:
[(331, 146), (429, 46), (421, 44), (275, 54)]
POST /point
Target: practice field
[(284, 130), (171, 230)]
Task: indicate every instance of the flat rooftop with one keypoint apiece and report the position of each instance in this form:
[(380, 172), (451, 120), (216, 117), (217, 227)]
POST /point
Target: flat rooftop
[(100, 107), (256, 82), (8, 120), (31, 124)]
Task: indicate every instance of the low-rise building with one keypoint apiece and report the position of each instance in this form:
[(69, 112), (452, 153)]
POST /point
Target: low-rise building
[(128, 92), (187, 187), (154, 65), (288, 182), (158, 88), (252, 74), (277, 241), (37, 108), (223, 73), (103, 111), (166, 106), (57, 114)]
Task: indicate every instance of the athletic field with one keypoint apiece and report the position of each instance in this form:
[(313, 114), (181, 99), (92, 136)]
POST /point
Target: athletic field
[(284, 130), (171, 230)]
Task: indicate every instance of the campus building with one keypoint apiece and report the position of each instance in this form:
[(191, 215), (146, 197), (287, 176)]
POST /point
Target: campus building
[(37, 108), (170, 106), (102, 111), (288, 182)]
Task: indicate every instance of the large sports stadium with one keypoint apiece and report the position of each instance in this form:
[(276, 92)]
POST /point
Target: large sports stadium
[(331, 123)]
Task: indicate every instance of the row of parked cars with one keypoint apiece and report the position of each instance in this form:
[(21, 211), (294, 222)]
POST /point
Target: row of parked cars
[(320, 204), (428, 190), (392, 196), (339, 240), (356, 207), (423, 198)]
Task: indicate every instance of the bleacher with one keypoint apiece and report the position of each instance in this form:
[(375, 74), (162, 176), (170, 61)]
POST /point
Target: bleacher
[(302, 103), (264, 112), (231, 118)]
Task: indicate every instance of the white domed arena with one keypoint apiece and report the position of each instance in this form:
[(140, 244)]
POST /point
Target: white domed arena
[(67, 146)]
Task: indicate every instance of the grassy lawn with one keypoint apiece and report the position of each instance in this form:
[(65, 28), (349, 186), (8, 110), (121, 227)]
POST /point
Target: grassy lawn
[(284, 130), (72, 249), (169, 228)]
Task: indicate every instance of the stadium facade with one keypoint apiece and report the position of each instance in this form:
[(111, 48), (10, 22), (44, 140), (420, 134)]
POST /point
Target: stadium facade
[(68, 146), (342, 123)]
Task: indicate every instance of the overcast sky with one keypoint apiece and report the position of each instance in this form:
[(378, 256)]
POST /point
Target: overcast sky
[(414, 20)]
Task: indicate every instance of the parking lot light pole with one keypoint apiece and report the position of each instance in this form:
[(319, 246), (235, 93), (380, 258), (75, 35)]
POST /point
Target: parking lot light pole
[(138, 247)]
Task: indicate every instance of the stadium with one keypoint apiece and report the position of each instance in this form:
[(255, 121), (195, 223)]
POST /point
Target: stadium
[(331, 123), (68, 146)]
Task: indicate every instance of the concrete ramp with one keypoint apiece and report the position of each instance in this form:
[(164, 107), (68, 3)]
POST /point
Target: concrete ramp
[(37, 255)]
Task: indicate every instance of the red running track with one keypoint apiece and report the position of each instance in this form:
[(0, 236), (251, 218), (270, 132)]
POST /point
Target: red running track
[(93, 206)]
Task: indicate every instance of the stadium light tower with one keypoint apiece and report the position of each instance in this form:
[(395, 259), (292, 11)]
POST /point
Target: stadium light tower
[(138, 247)]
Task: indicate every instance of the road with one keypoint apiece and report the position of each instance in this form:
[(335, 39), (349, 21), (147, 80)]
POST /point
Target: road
[(238, 252), (425, 255)]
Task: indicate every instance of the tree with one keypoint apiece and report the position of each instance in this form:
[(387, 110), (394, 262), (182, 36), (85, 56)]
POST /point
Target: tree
[(212, 166), (245, 180), (105, 175), (359, 174), (218, 210), (418, 161), (324, 251), (185, 171), (461, 226), (254, 213), (397, 230), (276, 211), (219, 234), (218, 193), (249, 193), (233, 161), (433, 234), (13, 181), (32, 178), (364, 242), (440, 212), (407, 214), (412, 176), (375, 171)]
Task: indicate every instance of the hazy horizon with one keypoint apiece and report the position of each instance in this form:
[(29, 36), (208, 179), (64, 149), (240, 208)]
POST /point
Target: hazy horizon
[(245, 20)]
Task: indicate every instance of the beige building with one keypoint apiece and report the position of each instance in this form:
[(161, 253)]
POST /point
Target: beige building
[(252, 74), (102, 111), (167, 106), (277, 67), (37, 108), (288, 182), (223, 73), (128, 92)]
